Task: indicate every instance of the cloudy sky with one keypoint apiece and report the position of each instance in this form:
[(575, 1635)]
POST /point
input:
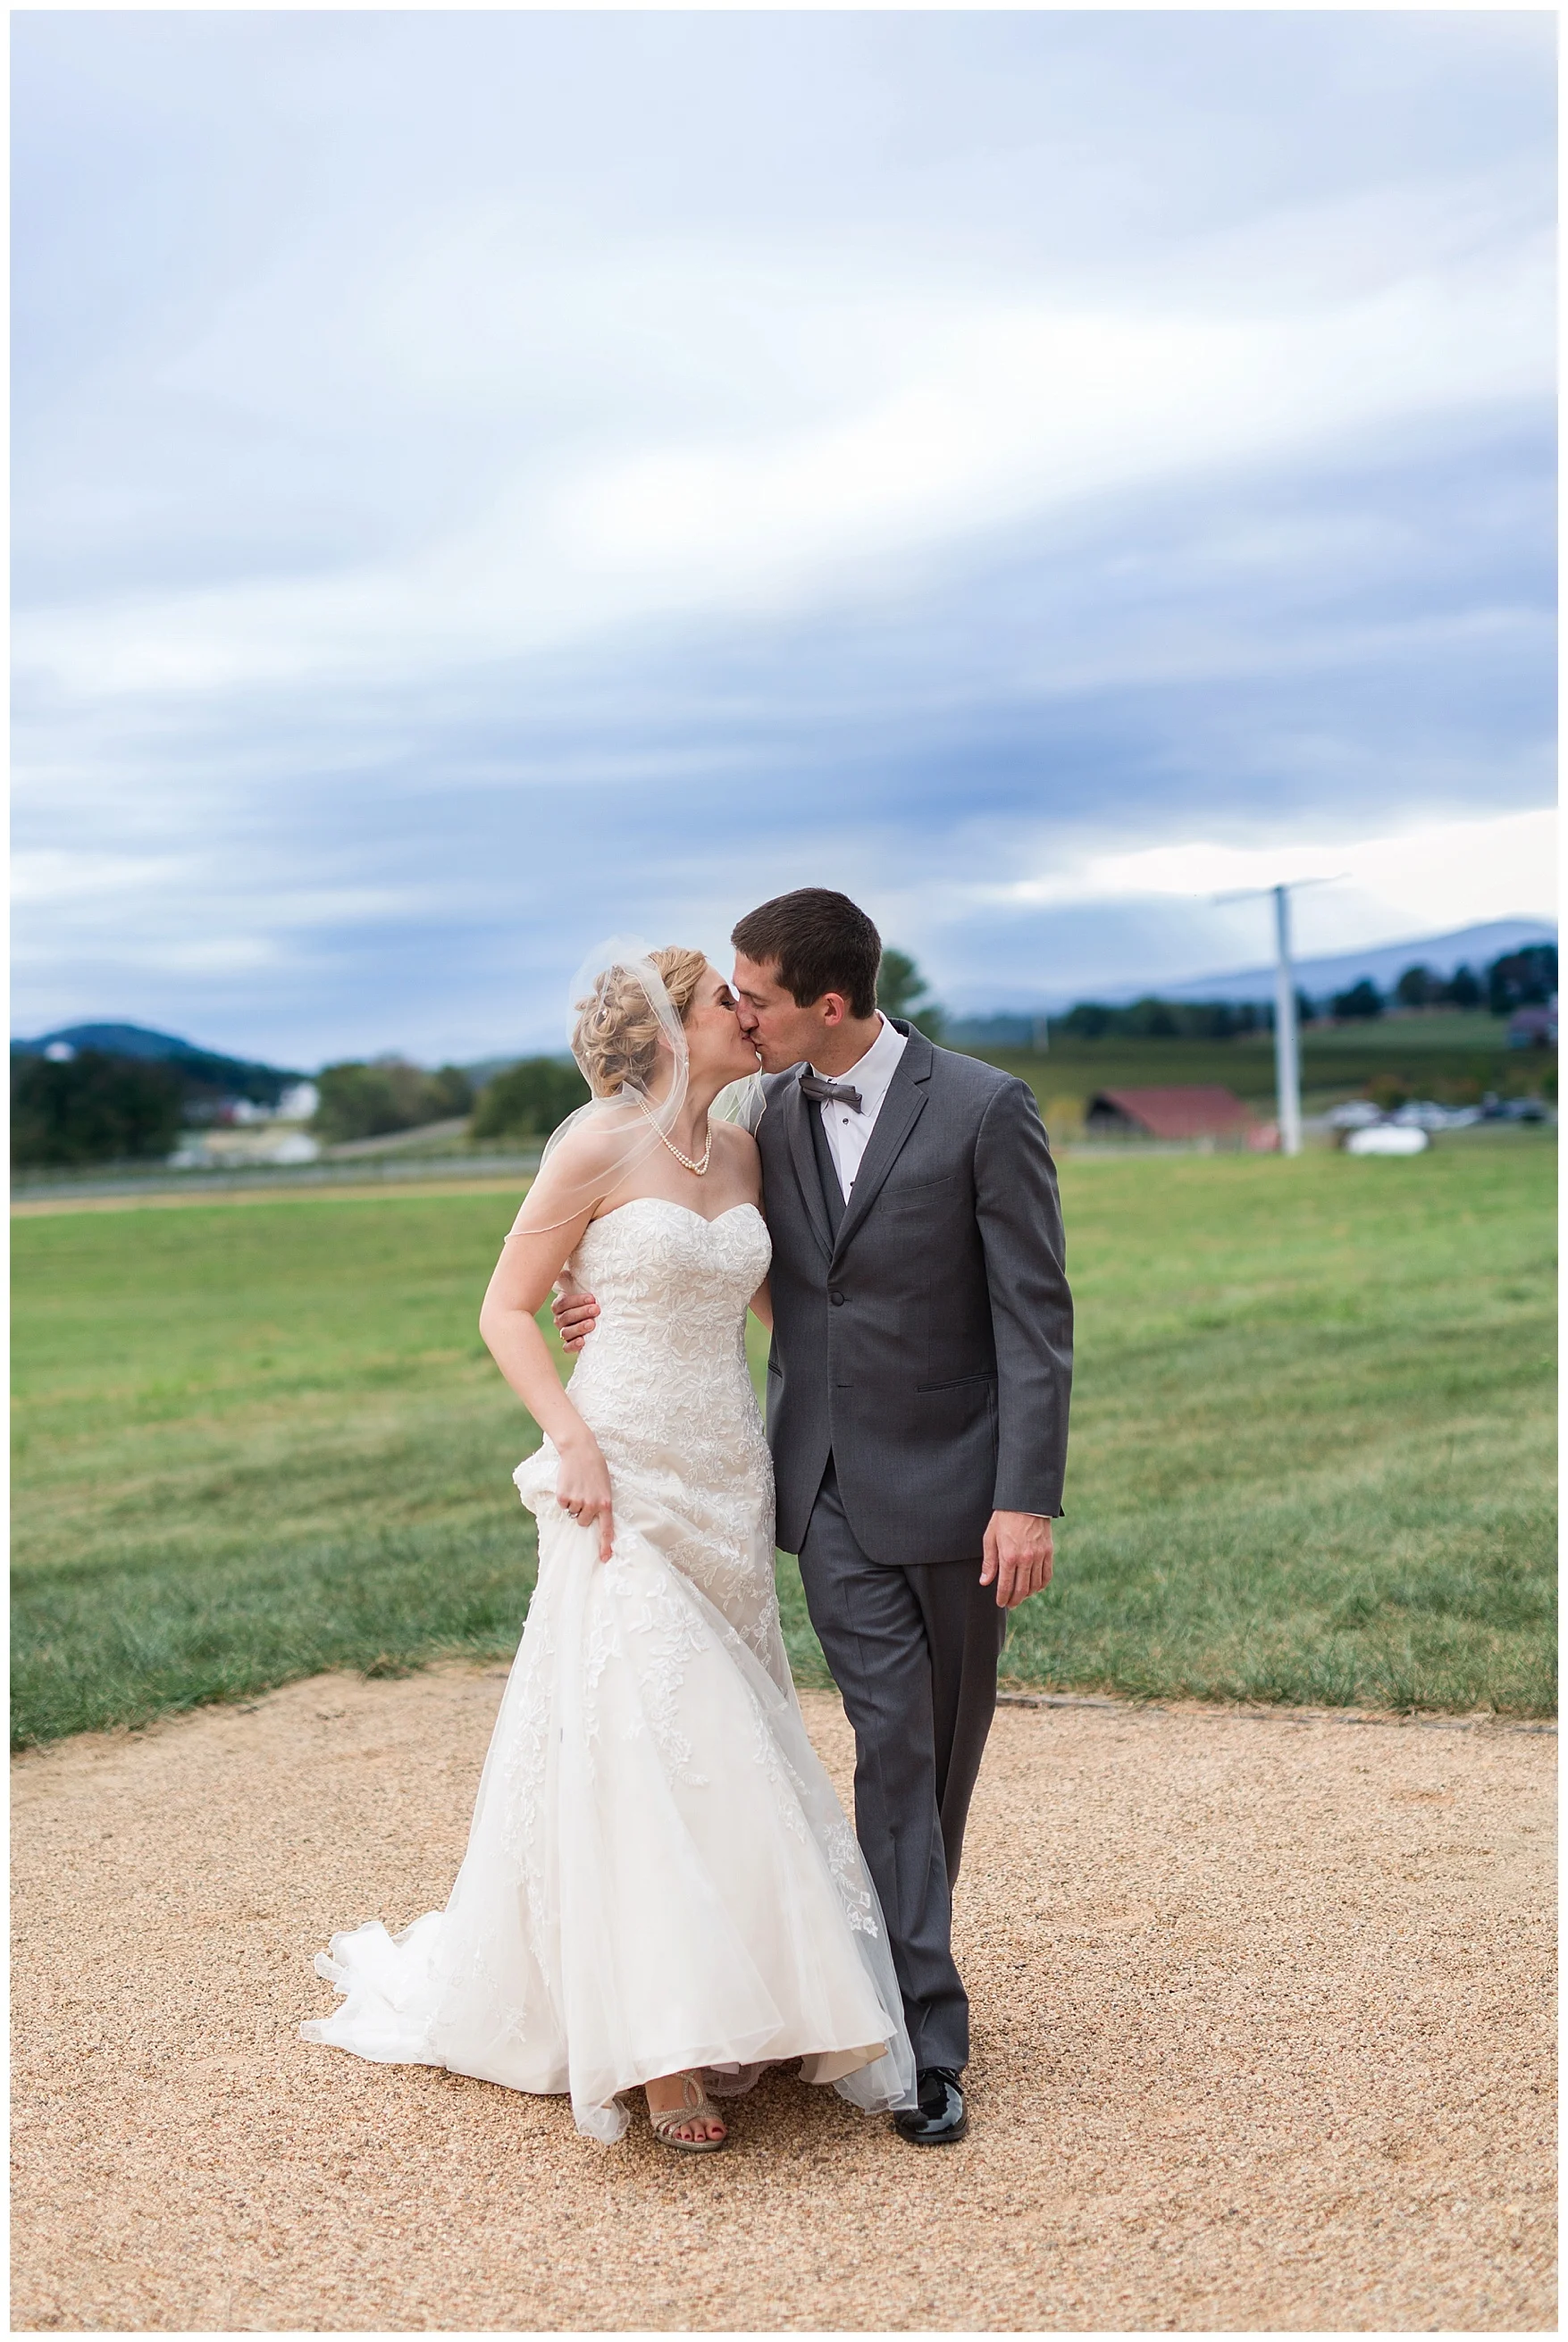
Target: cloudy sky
[(485, 481)]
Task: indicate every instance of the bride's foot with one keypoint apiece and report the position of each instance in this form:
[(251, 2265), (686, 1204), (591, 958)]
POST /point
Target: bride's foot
[(682, 2115)]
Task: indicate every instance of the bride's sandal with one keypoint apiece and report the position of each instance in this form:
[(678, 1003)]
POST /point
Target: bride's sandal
[(695, 2106)]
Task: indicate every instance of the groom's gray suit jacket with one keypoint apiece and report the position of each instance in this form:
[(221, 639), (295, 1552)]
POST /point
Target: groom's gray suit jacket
[(928, 1343)]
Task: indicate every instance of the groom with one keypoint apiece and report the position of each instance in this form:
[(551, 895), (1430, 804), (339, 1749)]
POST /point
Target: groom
[(917, 1403)]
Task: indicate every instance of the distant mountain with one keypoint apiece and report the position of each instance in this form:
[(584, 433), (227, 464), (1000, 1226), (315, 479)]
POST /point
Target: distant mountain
[(201, 1069), (115, 1040)]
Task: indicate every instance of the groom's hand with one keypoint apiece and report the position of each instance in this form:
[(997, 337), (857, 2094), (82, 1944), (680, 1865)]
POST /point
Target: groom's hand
[(1017, 1557), (574, 1312)]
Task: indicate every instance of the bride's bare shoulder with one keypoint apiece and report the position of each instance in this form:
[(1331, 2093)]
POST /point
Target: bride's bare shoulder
[(736, 1140), (579, 1158), (738, 1150)]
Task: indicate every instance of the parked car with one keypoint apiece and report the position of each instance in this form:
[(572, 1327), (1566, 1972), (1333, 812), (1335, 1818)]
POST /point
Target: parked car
[(1518, 1109), (1387, 1138), (1425, 1114)]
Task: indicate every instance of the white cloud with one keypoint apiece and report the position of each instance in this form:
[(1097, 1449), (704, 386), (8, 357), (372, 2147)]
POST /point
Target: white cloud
[(1435, 875), (63, 876), (448, 446), (929, 416), (1031, 407)]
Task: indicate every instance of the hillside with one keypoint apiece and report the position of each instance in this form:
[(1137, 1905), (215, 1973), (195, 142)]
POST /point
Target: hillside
[(199, 1069)]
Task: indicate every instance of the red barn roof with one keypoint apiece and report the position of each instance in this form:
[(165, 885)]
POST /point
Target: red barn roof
[(1190, 1110)]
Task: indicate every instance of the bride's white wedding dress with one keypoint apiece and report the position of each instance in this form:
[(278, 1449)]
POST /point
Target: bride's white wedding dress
[(659, 1874)]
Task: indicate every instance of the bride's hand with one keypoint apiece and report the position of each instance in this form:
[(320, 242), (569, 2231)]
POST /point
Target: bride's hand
[(583, 1490)]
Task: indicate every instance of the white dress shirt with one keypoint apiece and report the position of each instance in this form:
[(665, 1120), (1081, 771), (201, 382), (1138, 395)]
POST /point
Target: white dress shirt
[(848, 1132)]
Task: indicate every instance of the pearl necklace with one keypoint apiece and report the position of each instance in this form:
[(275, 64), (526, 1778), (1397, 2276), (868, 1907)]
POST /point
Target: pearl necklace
[(700, 1168)]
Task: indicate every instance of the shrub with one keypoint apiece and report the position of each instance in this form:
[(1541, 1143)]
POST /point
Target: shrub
[(450, 1090), (1363, 1000), (1152, 1019), (903, 991), (365, 1101), (1388, 1090), (1148, 1020), (529, 1100), (1064, 1118), (1522, 979), (94, 1108), (1087, 1020)]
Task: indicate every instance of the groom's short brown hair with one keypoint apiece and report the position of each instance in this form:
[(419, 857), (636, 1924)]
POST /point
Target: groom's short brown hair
[(819, 942)]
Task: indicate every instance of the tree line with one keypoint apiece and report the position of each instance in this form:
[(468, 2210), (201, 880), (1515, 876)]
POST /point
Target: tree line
[(531, 1098), (98, 1107), (1521, 979)]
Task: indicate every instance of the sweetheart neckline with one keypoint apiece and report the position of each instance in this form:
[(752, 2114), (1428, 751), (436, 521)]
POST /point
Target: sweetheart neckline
[(671, 1206)]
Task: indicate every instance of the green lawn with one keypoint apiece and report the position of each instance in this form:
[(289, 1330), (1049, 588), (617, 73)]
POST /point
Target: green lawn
[(1442, 1051), (1311, 1457), (1313, 1431)]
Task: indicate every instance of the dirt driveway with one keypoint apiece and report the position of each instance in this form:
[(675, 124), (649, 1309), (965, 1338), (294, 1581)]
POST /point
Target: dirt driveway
[(1261, 2040)]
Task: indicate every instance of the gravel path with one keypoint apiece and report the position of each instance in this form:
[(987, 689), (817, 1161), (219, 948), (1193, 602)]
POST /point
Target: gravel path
[(1263, 2040)]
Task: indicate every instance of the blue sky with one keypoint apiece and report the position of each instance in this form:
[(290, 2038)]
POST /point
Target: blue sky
[(486, 481)]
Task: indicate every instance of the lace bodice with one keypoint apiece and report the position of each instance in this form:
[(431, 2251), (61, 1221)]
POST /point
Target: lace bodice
[(663, 1383), (670, 1343)]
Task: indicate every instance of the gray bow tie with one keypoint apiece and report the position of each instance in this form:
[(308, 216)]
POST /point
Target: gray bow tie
[(830, 1093)]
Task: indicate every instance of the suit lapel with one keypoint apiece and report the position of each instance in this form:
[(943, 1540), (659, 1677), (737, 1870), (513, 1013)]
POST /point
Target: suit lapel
[(901, 1110), (802, 1153)]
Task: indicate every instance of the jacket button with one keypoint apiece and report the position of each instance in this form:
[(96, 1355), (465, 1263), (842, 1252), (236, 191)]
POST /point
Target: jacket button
[(837, 1299)]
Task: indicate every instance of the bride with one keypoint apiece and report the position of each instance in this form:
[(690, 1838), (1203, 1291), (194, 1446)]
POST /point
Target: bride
[(661, 1888)]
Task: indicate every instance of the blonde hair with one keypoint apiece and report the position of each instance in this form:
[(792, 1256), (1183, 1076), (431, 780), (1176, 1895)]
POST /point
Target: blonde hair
[(616, 1039)]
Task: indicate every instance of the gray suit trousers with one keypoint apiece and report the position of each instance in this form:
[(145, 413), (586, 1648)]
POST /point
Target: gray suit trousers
[(913, 1652)]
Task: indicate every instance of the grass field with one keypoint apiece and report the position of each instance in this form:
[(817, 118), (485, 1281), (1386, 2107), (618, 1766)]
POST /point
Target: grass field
[(1312, 1455), (1432, 1051)]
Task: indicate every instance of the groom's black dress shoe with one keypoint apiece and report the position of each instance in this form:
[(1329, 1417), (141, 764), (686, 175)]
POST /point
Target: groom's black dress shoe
[(939, 2119)]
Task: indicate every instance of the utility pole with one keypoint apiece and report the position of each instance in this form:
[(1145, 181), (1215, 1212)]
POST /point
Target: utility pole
[(1287, 1041)]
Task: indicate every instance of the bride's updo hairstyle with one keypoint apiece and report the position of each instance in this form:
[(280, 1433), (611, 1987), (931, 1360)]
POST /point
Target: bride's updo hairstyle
[(616, 1037), (627, 1017)]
